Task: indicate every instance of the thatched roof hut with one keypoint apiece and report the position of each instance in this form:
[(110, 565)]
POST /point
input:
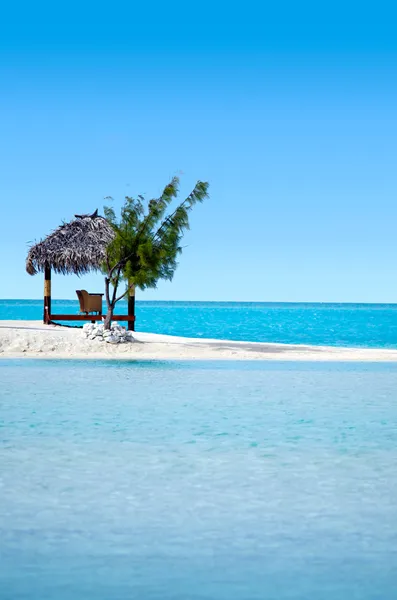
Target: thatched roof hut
[(73, 248)]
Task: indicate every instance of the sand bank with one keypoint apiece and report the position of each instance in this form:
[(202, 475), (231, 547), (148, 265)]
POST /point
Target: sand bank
[(35, 340)]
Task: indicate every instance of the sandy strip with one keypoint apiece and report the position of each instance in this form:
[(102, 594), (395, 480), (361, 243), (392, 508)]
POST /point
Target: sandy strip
[(32, 339)]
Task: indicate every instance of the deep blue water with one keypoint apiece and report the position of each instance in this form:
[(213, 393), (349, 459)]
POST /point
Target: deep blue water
[(361, 325), (201, 481)]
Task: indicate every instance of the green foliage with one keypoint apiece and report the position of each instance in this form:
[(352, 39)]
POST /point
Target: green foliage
[(147, 241)]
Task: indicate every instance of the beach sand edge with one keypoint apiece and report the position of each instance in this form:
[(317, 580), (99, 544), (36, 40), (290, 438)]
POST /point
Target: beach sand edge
[(32, 339)]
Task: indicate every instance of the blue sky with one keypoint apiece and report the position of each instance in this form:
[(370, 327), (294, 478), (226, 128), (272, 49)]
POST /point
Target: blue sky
[(289, 112)]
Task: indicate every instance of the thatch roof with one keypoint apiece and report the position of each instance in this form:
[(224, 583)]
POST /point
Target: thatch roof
[(76, 247)]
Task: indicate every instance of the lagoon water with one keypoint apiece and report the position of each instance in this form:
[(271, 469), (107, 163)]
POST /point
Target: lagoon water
[(201, 481), (360, 325)]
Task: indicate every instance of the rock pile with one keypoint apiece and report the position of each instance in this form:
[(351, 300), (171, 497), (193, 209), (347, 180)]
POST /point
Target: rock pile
[(115, 335)]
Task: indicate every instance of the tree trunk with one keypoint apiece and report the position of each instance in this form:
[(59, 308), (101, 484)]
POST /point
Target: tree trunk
[(108, 318), (110, 305)]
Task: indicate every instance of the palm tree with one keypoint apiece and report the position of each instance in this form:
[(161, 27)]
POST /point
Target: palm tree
[(146, 243)]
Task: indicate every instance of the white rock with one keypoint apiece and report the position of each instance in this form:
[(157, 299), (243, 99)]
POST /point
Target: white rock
[(116, 335)]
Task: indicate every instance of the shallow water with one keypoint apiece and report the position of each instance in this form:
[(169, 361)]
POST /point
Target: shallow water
[(197, 481), (361, 325)]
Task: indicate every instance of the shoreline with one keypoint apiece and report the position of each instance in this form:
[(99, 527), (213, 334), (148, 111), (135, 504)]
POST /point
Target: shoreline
[(32, 339)]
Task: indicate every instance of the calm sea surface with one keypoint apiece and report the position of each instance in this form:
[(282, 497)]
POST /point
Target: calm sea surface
[(201, 481), (361, 325)]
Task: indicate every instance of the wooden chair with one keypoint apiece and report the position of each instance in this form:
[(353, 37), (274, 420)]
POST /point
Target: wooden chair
[(89, 303)]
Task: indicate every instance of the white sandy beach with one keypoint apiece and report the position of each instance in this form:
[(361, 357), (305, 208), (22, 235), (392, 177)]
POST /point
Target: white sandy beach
[(35, 340)]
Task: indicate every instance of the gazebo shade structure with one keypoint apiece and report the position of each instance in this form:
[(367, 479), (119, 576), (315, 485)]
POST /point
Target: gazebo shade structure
[(77, 247)]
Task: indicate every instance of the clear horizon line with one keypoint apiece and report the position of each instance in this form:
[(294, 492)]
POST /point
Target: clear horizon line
[(219, 301)]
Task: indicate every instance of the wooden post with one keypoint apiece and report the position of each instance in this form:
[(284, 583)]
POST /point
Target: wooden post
[(47, 295), (131, 306)]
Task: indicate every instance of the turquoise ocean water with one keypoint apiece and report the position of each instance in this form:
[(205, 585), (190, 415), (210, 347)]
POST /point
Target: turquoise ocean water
[(197, 481), (362, 325)]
